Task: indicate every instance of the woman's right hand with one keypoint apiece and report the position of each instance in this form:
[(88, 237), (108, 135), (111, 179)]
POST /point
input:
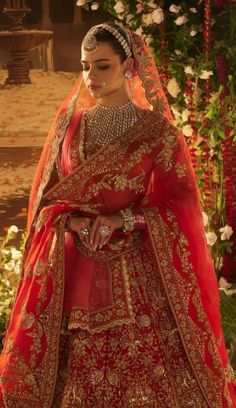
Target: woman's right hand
[(79, 223)]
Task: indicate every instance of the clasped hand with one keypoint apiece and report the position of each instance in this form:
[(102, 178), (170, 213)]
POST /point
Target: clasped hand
[(94, 240)]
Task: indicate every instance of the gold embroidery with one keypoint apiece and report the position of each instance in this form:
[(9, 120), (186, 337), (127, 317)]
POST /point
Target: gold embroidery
[(179, 286), (39, 268), (42, 218), (132, 365), (28, 319), (144, 321), (181, 170), (81, 134), (117, 311), (170, 144), (46, 328), (150, 81), (102, 162)]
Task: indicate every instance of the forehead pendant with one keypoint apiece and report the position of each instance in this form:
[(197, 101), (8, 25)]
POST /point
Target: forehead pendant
[(90, 43)]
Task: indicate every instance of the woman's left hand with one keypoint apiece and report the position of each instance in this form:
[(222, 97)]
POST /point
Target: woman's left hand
[(111, 221)]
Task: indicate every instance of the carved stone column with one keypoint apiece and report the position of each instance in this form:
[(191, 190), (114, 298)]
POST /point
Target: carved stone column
[(46, 21)]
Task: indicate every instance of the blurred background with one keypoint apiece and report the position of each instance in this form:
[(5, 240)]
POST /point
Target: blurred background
[(26, 111)]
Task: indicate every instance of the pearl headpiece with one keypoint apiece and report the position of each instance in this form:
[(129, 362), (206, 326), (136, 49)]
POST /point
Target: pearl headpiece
[(90, 41)]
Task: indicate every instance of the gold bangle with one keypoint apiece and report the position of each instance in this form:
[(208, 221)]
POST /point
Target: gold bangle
[(129, 219)]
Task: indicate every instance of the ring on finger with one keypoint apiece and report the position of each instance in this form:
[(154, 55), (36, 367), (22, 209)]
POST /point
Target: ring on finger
[(104, 231), (84, 232)]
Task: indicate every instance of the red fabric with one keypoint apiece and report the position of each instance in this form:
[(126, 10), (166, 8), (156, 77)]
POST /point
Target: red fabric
[(149, 168)]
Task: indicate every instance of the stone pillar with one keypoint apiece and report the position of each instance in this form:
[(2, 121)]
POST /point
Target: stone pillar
[(77, 19), (46, 21)]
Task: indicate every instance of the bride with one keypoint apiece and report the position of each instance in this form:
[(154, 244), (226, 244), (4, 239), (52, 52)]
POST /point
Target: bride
[(118, 303)]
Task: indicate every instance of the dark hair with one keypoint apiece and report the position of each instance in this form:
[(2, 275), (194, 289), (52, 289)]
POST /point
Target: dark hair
[(105, 36)]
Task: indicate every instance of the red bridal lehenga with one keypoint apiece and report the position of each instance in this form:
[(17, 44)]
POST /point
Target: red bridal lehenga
[(137, 323)]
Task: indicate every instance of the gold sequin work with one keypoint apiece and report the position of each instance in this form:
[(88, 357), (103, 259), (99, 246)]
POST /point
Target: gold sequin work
[(140, 365)]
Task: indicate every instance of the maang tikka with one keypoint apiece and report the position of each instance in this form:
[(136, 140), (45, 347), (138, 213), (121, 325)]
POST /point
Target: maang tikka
[(90, 42)]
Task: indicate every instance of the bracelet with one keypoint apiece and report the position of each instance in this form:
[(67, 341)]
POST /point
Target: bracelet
[(129, 219)]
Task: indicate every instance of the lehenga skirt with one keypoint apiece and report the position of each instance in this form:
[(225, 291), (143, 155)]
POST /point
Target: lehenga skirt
[(141, 364)]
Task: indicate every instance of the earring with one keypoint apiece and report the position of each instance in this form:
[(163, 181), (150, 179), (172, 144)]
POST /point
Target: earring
[(127, 74)]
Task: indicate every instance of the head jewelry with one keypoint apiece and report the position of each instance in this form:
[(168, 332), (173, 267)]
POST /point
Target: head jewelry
[(90, 41)]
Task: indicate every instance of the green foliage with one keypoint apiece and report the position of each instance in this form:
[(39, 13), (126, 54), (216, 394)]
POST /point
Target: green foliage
[(10, 266), (228, 321)]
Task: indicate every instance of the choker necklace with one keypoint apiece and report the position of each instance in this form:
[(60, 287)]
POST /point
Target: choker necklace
[(107, 123), (124, 105)]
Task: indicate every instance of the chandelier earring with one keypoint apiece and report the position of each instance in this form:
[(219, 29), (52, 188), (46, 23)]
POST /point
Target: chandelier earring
[(127, 74)]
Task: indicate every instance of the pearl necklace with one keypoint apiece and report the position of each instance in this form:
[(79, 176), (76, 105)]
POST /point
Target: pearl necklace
[(108, 123)]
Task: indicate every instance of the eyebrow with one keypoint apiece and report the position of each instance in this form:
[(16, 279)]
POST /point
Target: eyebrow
[(98, 60)]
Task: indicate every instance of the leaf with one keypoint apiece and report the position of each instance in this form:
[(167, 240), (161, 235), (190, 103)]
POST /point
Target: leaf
[(228, 321)]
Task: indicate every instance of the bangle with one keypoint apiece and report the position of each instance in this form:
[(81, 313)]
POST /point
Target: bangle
[(129, 219)]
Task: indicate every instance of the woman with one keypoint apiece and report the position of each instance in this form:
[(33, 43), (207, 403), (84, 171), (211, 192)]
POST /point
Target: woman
[(118, 302)]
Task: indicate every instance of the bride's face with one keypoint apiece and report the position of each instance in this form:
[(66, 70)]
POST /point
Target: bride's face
[(103, 71)]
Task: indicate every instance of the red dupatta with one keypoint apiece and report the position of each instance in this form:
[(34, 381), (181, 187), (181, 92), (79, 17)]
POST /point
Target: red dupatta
[(148, 167)]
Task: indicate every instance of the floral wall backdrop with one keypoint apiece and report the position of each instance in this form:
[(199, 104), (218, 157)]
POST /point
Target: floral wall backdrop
[(194, 45)]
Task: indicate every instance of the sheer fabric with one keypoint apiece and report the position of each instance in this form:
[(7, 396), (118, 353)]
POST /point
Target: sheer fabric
[(66, 290)]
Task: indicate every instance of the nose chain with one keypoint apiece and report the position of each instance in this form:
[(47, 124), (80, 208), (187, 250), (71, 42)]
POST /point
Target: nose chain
[(108, 123)]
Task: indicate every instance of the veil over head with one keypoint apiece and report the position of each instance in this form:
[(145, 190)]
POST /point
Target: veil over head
[(145, 90), (152, 159)]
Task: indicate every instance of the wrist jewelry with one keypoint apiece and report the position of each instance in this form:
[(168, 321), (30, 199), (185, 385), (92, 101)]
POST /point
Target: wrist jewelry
[(129, 219)]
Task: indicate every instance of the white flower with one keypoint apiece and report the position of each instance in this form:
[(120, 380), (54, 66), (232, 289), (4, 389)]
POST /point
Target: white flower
[(81, 2), (15, 254), (187, 130), (185, 115), (205, 218), (205, 74), (151, 4), (17, 268), (229, 292), (95, 6), (158, 15), (193, 33), (13, 228), (5, 251), (181, 20), (224, 284), (211, 238), (173, 88), (147, 19), (193, 10), (178, 52), (188, 70), (9, 266), (148, 39), (129, 18), (226, 232), (174, 9), (176, 112), (139, 31), (119, 7)]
